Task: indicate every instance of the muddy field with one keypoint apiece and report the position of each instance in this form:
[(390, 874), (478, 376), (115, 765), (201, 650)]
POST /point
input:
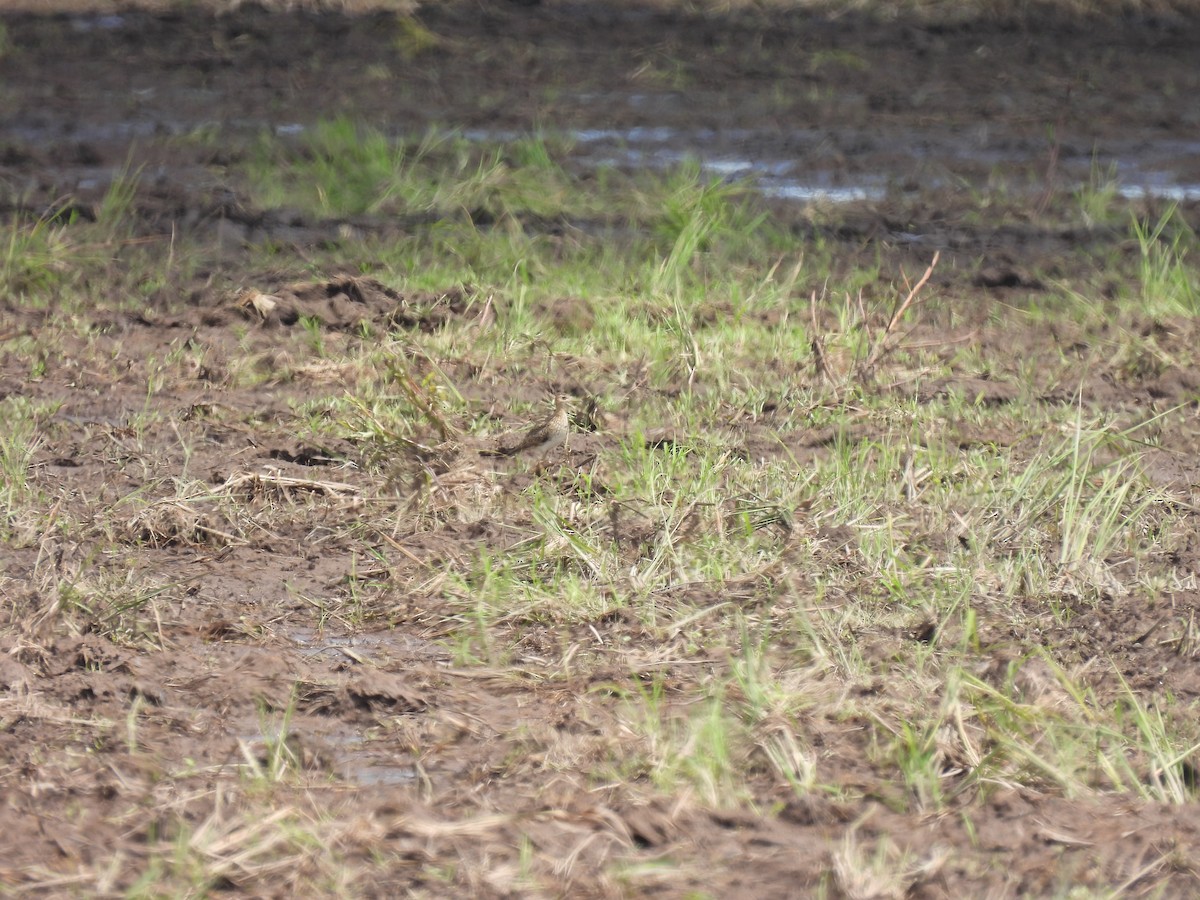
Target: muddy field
[(239, 649)]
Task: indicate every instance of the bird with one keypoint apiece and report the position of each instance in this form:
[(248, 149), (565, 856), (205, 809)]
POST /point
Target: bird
[(542, 436)]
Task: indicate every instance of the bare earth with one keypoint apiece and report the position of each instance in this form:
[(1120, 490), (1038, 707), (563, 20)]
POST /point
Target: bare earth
[(413, 764)]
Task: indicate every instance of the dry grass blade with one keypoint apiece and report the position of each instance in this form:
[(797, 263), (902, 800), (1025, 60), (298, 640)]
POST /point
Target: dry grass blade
[(477, 827), (422, 400), (260, 483), (176, 522), (880, 345)]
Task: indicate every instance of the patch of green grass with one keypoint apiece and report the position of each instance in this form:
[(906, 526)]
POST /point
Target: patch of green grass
[(18, 442), (757, 583), (927, 522), (1097, 199), (35, 256), (57, 258), (1056, 729), (343, 167), (1169, 284)]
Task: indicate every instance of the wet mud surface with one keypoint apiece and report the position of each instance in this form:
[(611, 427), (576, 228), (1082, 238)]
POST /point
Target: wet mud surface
[(410, 753)]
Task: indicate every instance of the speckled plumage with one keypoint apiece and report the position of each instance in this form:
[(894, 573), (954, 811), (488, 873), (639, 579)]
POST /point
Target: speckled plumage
[(541, 437)]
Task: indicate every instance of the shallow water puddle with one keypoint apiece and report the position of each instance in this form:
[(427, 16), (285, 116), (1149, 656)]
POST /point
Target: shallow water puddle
[(846, 166)]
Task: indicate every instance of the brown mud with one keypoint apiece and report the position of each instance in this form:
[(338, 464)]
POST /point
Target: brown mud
[(407, 763)]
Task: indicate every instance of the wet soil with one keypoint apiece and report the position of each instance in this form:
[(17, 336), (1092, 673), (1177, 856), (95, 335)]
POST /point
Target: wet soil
[(426, 764)]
